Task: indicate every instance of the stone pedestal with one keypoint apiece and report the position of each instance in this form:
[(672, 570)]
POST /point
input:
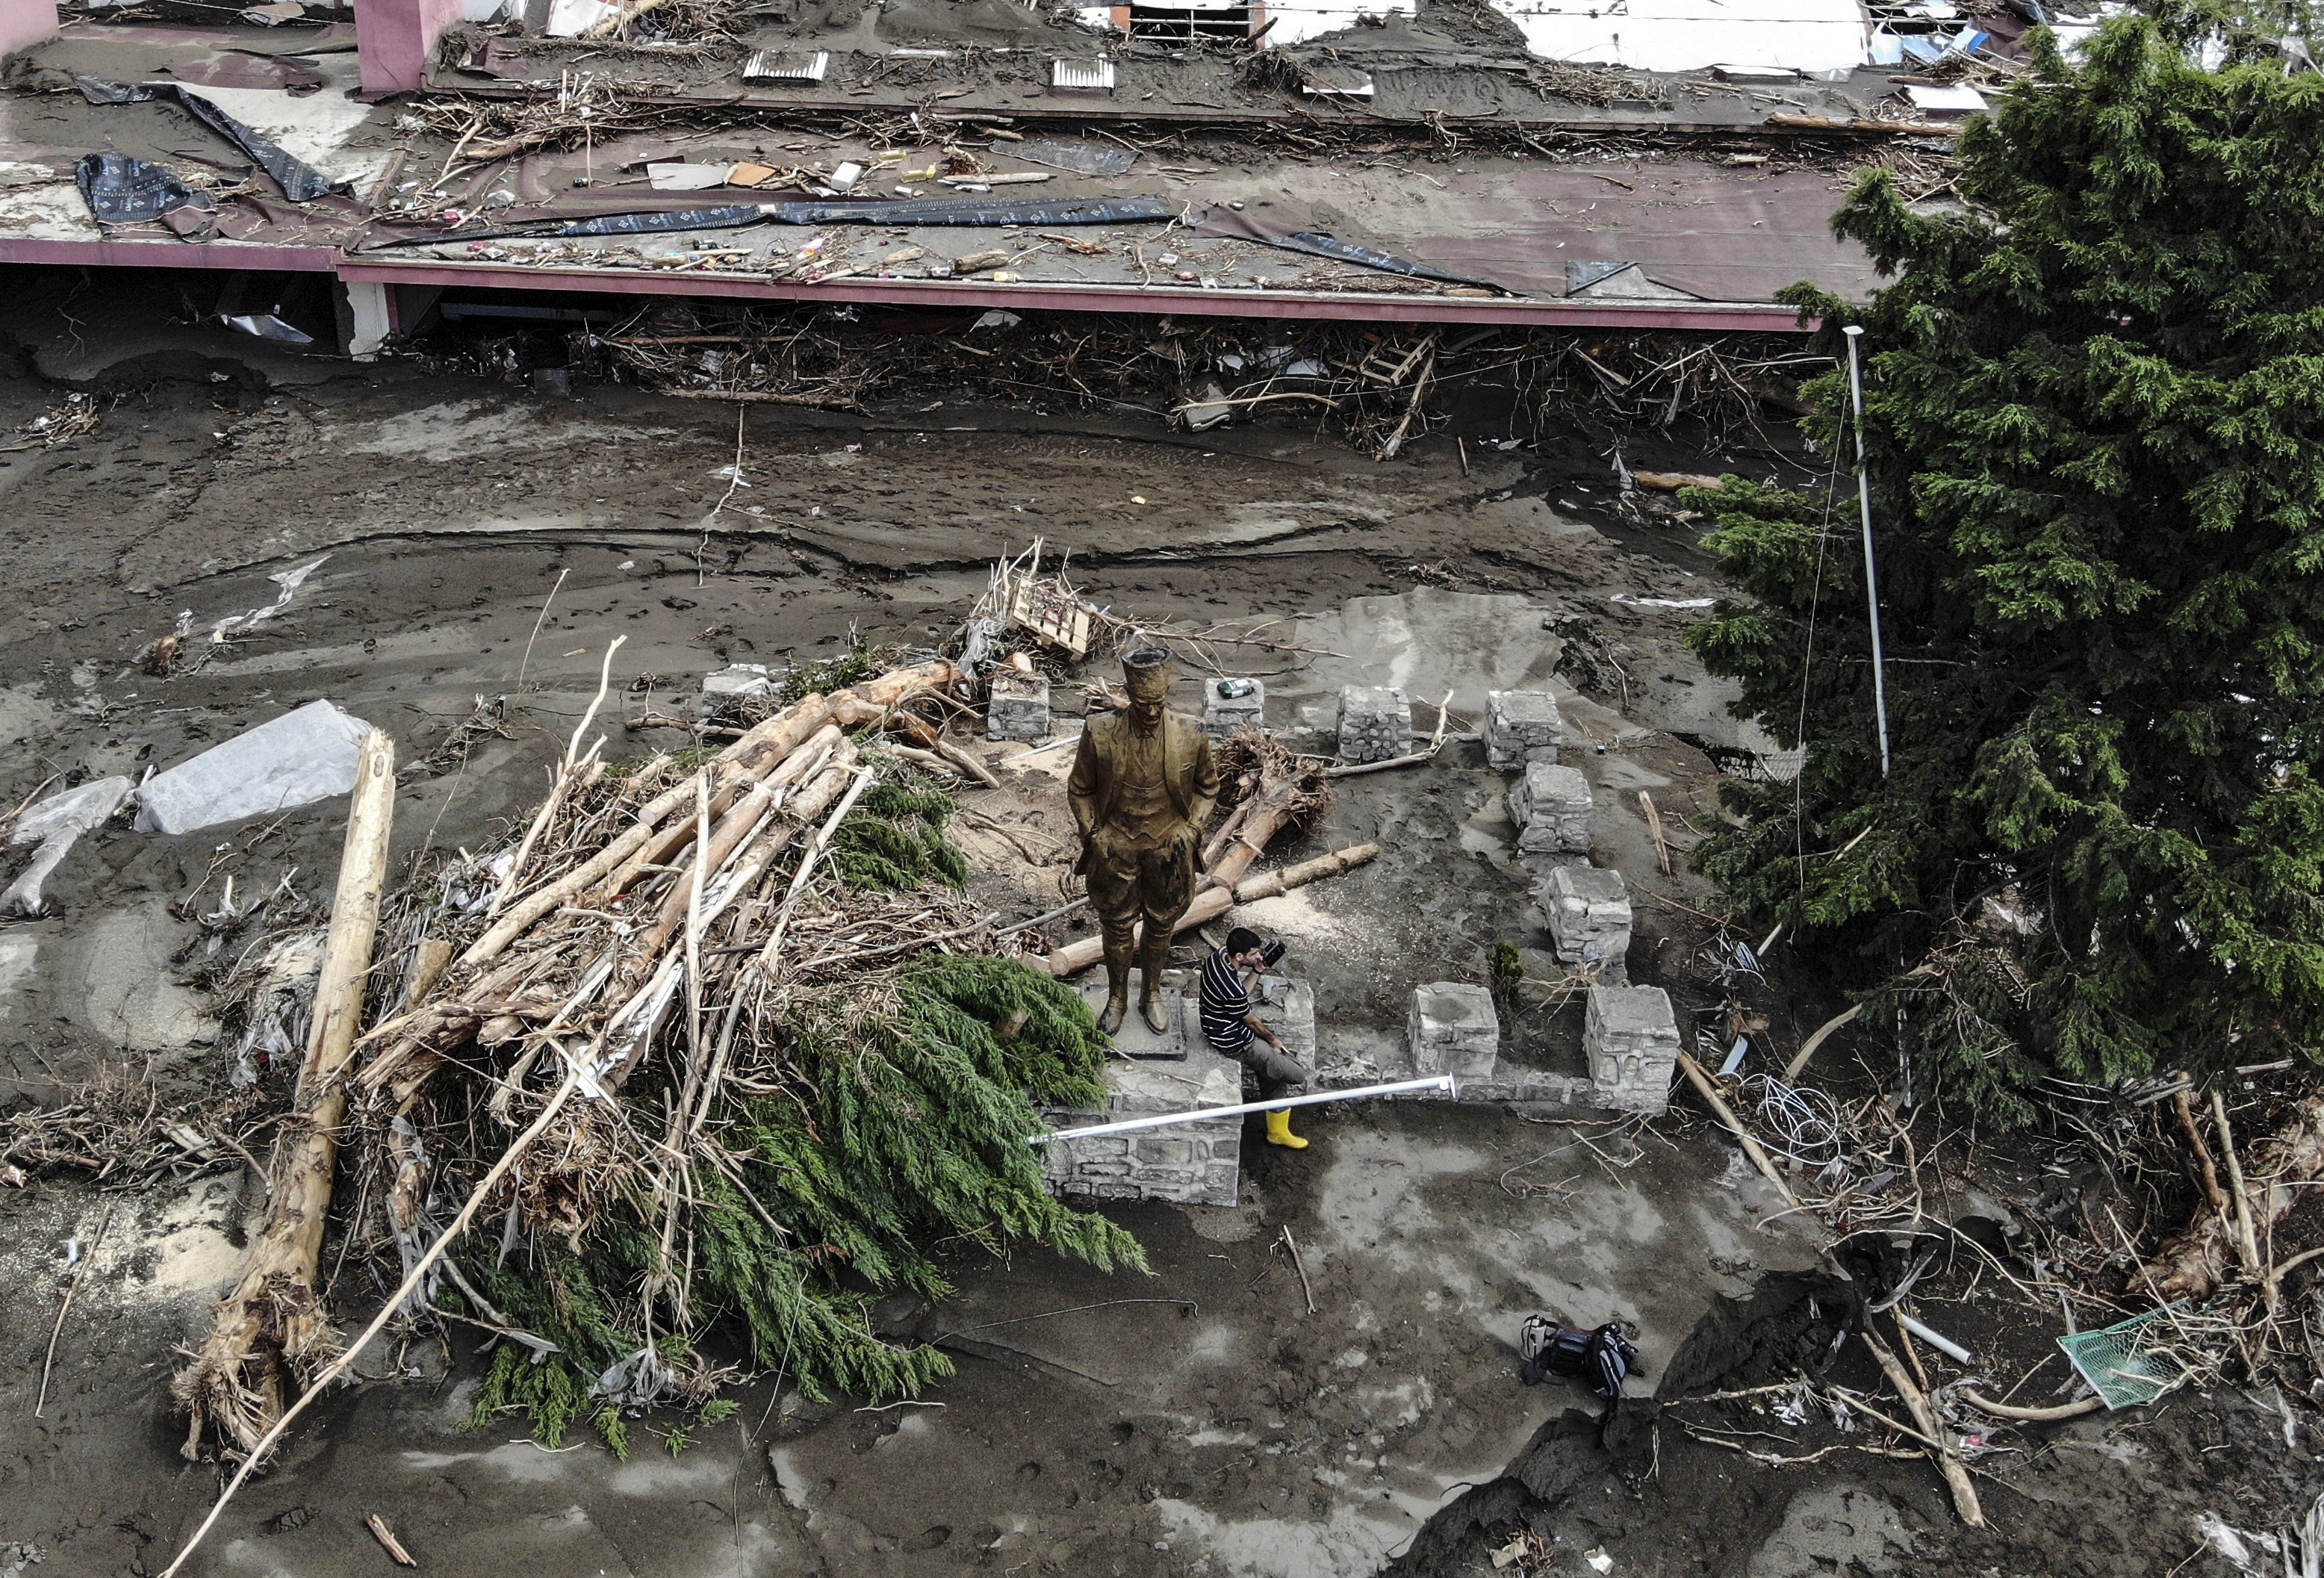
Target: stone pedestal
[(1016, 706), (1222, 714), (1454, 1030), (1588, 910), (1552, 806), (1522, 727), (1197, 1163), (1375, 723), (1135, 1039), (1287, 1007), (1630, 1038)]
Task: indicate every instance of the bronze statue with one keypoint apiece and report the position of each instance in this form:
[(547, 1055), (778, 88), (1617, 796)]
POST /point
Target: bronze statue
[(1142, 787)]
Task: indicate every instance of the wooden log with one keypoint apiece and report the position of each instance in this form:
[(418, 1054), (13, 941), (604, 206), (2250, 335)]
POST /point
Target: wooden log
[(739, 821), (411, 1280), (1227, 830), (1212, 903), (761, 748), (1846, 1016), (929, 738), (1949, 1462), (2184, 1106), (1277, 802), (271, 1327), (429, 959), (759, 763), (1726, 1114), (2195, 1263), (1268, 884), (1889, 128), (1655, 827), (1670, 482)]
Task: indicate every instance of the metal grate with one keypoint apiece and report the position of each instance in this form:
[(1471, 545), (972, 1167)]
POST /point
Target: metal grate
[(777, 66), (2128, 1362), (1082, 77)]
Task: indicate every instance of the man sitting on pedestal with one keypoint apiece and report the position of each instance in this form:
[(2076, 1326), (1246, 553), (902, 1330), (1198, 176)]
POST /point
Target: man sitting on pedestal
[(1230, 1026)]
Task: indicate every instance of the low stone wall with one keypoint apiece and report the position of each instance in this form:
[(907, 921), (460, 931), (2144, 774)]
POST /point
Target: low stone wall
[(1197, 1163)]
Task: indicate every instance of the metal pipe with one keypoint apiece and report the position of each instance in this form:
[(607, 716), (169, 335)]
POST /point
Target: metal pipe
[(1439, 1082), (1871, 576)]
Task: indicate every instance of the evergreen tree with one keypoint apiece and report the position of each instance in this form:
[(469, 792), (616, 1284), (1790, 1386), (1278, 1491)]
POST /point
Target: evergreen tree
[(2095, 407)]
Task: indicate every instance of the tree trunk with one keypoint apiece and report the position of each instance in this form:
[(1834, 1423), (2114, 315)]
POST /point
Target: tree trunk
[(272, 1327), (1212, 903), (2195, 1262)]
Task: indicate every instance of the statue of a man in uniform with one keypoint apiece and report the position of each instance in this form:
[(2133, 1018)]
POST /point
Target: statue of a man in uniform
[(1142, 787)]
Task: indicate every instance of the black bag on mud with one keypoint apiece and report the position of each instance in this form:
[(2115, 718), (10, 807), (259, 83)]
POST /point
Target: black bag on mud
[(1602, 1357)]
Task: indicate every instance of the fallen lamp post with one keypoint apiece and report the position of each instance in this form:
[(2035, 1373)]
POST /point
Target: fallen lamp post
[(1436, 1082)]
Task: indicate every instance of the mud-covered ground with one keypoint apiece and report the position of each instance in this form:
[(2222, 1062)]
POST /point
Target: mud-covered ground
[(1201, 1420)]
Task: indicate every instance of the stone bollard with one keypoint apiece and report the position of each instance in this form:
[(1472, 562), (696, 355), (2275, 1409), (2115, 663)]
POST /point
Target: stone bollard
[(1522, 727), (1552, 808), (1588, 910), (1630, 1039), (1454, 1030), (1375, 723), (1018, 705), (1229, 705)]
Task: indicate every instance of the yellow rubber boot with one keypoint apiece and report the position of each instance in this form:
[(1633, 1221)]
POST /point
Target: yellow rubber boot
[(1278, 1130)]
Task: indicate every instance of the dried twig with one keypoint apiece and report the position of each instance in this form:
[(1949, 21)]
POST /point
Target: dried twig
[(65, 1308), (1299, 1266), (388, 1542)]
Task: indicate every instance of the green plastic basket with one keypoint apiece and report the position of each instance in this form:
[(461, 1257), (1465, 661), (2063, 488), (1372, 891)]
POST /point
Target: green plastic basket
[(2121, 1361)]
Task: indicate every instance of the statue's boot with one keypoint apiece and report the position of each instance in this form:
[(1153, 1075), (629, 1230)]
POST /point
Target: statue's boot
[(1154, 958), (1117, 984)]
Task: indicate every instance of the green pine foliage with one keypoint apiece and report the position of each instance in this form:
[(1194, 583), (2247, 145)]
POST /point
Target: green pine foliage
[(2096, 417), (903, 1118), (894, 839)]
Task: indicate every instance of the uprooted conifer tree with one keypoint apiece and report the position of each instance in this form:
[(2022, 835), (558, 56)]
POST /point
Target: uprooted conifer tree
[(2095, 407)]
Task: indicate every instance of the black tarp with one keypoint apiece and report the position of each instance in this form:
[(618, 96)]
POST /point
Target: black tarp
[(301, 183), (900, 212), (121, 191), (1225, 221)]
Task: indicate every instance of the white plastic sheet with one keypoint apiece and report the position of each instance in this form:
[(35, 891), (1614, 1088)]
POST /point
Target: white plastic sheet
[(55, 824), (302, 757)]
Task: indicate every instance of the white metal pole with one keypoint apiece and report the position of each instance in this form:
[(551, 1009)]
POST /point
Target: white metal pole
[(1855, 331), (1403, 1087)]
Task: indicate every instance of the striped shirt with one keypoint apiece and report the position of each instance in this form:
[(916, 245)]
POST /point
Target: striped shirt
[(1225, 1006)]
